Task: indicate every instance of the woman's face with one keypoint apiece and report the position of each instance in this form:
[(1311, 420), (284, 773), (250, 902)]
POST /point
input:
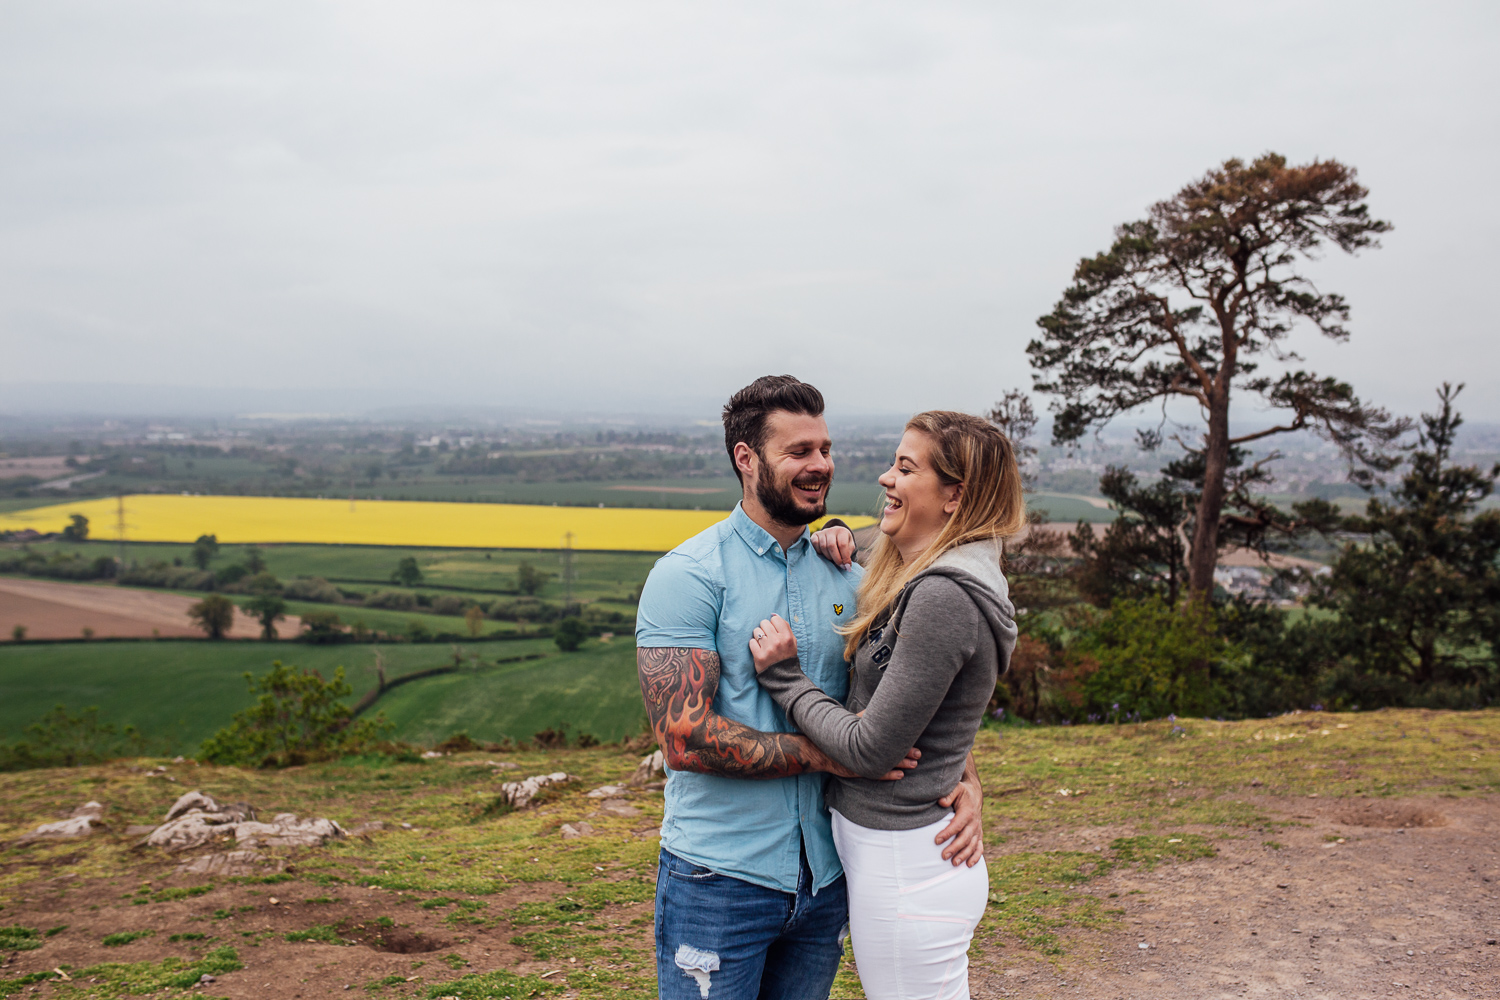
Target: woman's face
[(918, 504)]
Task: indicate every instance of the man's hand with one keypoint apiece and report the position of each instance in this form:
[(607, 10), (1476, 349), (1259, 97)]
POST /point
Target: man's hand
[(966, 830), (836, 544)]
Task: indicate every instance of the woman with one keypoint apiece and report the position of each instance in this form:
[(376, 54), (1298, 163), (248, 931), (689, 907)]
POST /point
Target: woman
[(934, 630)]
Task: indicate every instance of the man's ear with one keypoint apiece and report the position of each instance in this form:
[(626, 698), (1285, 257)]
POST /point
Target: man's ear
[(745, 459)]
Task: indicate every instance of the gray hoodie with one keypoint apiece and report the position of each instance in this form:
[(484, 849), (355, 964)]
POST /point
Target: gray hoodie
[(922, 678)]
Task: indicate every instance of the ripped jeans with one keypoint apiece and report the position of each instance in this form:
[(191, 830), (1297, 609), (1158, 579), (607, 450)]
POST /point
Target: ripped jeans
[(721, 938)]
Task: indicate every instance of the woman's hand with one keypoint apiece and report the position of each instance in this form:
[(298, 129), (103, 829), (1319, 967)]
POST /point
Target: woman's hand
[(773, 642), (836, 544)]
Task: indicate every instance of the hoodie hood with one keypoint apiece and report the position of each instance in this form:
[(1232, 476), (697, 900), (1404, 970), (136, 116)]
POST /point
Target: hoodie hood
[(975, 566)]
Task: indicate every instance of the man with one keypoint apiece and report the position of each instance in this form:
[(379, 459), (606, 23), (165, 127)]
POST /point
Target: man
[(750, 899)]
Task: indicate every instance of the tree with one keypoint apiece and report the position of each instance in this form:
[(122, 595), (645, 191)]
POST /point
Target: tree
[(1418, 594), (298, 717), (1143, 551), (530, 580), (407, 572), (255, 560), (569, 634), (1185, 302), (214, 615), (474, 619), (205, 550), (78, 531), (268, 608)]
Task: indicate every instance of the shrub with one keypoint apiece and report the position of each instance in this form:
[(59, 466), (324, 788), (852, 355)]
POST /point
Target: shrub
[(231, 574), (569, 634), (297, 718), (1153, 659), (448, 604), (391, 600), (312, 588), (322, 627)]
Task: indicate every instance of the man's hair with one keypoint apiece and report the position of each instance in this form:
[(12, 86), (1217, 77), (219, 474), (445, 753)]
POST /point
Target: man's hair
[(746, 412)]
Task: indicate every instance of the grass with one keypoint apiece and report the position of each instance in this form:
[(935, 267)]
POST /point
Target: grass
[(1167, 798), (181, 692)]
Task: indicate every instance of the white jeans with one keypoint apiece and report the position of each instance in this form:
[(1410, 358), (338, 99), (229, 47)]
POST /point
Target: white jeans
[(911, 914)]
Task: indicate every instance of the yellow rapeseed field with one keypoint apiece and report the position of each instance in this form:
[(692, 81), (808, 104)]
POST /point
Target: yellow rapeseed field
[(161, 518)]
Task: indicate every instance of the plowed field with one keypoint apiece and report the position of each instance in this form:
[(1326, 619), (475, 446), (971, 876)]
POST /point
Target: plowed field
[(52, 610)]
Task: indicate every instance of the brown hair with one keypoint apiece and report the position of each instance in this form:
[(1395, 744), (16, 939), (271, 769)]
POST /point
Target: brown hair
[(747, 410), (966, 451)]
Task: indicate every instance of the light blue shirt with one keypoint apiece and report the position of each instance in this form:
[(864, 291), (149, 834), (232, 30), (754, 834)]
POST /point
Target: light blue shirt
[(710, 593)]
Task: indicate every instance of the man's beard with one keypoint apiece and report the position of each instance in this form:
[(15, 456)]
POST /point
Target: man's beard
[(782, 507)]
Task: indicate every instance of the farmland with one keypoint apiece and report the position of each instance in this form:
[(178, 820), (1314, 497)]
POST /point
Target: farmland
[(374, 522), (179, 692)]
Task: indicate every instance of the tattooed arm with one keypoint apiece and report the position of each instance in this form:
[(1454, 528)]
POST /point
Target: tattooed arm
[(679, 685)]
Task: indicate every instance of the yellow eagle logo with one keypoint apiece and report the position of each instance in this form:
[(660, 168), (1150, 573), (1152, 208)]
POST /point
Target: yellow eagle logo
[(838, 609)]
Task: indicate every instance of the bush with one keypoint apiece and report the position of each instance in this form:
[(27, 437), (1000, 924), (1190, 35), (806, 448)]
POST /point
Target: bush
[(298, 718), (62, 740), (417, 631), (312, 588), (163, 574), (322, 627), (569, 634), (231, 574), (391, 600), (448, 604), (1153, 660)]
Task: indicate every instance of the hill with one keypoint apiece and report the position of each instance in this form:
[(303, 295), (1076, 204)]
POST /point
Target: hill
[(1170, 860)]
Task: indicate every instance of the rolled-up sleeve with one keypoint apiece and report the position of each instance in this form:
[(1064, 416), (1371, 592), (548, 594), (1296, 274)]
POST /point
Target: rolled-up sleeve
[(679, 606)]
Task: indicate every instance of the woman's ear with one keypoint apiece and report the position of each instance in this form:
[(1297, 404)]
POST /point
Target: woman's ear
[(955, 494)]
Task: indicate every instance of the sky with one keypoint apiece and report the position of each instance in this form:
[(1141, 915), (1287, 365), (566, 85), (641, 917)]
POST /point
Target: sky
[(641, 206)]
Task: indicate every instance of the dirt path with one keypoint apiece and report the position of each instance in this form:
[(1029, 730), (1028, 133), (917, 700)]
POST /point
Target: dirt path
[(50, 609), (1405, 906)]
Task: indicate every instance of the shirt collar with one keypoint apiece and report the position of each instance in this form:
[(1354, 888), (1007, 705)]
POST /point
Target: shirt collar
[(761, 541)]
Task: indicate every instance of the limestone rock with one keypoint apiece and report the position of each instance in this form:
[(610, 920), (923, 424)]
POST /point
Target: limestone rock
[(650, 766), (83, 821), (520, 793), (570, 831), (618, 807), (231, 863), (286, 830), (195, 819), (607, 792)]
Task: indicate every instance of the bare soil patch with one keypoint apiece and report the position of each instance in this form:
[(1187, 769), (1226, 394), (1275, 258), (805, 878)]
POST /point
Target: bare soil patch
[(54, 610), (1343, 904)]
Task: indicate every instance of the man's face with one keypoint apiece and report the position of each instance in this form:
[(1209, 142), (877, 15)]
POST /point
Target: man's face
[(794, 468)]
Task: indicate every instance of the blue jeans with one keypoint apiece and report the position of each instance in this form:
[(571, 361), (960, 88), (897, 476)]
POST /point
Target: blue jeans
[(723, 937)]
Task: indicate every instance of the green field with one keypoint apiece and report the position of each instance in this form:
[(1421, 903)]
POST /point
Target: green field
[(179, 692)]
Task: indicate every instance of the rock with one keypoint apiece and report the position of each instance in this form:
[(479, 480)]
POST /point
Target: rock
[(78, 826), (649, 832), (206, 978), (286, 830), (430, 754), (572, 830), (195, 819), (650, 766), (231, 863), (91, 810), (374, 826), (607, 792), (138, 829), (520, 793), (618, 807)]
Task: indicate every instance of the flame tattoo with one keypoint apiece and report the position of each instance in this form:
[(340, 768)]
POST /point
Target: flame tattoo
[(679, 686)]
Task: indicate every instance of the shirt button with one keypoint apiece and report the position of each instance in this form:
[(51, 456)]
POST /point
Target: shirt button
[(796, 618), (760, 552)]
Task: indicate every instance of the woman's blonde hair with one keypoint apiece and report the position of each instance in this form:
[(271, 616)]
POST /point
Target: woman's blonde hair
[(967, 451)]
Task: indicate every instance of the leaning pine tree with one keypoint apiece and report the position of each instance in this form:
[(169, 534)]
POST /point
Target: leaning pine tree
[(1186, 304)]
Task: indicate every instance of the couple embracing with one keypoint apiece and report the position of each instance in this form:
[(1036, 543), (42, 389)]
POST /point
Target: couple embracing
[(817, 718)]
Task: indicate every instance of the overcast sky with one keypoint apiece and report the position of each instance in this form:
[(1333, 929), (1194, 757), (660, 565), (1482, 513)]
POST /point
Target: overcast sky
[(631, 205)]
